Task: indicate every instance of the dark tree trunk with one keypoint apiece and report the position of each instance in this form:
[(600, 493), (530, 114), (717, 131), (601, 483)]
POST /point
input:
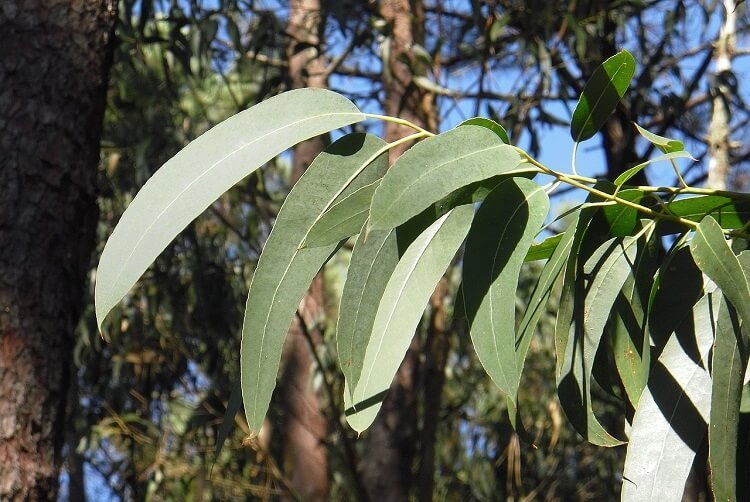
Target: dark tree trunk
[(54, 59)]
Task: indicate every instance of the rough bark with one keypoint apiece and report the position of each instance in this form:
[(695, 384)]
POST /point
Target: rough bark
[(388, 467), (305, 428), (54, 58)]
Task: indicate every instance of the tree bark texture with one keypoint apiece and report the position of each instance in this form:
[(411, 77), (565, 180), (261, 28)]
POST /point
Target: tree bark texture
[(54, 61), (305, 426)]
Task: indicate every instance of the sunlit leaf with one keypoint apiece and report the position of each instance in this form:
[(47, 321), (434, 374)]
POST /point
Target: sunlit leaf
[(500, 235), (400, 309), (191, 180), (670, 421), (489, 124), (284, 271), (544, 249), (624, 177), (600, 96), (436, 167), (666, 145), (372, 263), (727, 212)]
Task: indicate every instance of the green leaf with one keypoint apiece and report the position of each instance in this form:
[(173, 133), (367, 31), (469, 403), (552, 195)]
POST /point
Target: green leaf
[(606, 271), (666, 145), (343, 219), (372, 263), (600, 96), (234, 405), (436, 167), (500, 235), (630, 339), (624, 177), (400, 309), (543, 289), (191, 180), (670, 421), (285, 271), (727, 212), (715, 258), (544, 249), (489, 124), (621, 219), (727, 371)]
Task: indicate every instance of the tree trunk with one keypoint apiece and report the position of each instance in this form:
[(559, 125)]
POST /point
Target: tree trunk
[(388, 469), (305, 428), (54, 59)]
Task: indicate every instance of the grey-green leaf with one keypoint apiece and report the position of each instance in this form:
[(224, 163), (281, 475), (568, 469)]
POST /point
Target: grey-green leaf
[(436, 167), (666, 145), (489, 124), (400, 309), (502, 232), (191, 180), (600, 96), (373, 259), (285, 271), (345, 218), (670, 421)]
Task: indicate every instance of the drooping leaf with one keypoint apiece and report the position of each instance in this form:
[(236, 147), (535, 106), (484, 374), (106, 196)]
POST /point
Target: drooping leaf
[(343, 219), (539, 297), (191, 180), (234, 405), (716, 259), (400, 309), (666, 145), (489, 124), (624, 177), (284, 271), (670, 421), (500, 235), (372, 263), (621, 219), (436, 167), (600, 96), (544, 249), (606, 271), (727, 372), (630, 337)]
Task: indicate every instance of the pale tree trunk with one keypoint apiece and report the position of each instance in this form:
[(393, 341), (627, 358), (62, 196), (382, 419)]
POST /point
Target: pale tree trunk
[(305, 427), (718, 131), (54, 59), (388, 467)]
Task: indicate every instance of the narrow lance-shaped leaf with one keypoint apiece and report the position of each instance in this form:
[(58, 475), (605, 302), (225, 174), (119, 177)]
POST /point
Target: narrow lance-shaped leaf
[(234, 405), (400, 309), (284, 271), (373, 259), (666, 145), (488, 124), (727, 371), (670, 421), (500, 235), (624, 177), (544, 249), (191, 180), (600, 96), (607, 270), (436, 167)]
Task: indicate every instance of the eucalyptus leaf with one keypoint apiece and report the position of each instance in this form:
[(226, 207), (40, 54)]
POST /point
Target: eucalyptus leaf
[(671, 419), (371, 265), (500, 235), (600, 96), (544, 249), (489, 124), (666, 145), (345, 218), (284, 271), (404, 299), (211, 164), (629, 173), (437, 166)]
